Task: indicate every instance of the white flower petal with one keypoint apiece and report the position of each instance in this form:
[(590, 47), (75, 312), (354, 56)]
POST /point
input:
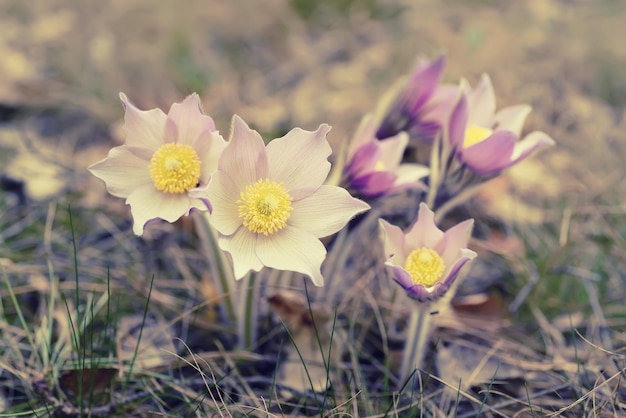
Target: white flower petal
[(148, 203), (300, 160), (294, 250), (531, 142), (511, 118), (424, 233), (223, 195), (244, 158), (482, 103), (209, 148), (143, 128), (393, 241), (241, 247), (122, 171), (392, 150), (325, 211), (190, 120)]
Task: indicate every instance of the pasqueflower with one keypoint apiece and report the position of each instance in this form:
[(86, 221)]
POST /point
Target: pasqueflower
[(373, 167), (269, 204), (426, 261), (486, 141), (418, 105), (164, 158)]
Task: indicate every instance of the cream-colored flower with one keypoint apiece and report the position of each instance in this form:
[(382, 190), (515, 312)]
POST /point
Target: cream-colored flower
[(269, 204), (164, 158)]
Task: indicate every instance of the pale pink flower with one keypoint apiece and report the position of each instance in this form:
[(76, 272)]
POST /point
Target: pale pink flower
[(164, 158), (269, 204), (487, 141), (373, 167), (426, 261)]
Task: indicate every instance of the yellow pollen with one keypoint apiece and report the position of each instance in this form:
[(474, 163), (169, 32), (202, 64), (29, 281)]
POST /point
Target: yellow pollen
[(175, 168), (380, 166), (425, 266), (475, 134), (265, 207)]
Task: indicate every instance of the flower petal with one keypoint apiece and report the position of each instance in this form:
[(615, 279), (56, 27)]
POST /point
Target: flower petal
[(244, 158), (458, 123), (482, 101), (491, 155), (511, 119), (325, 211), (455, 239), (424, 233), (143, 128), (363, 159), (393, 242), (294, 250), (376, 183), (423, 83), (148, 203), (190, 120), (531, 142), (223, 194), (122, 171), (307, 155), (392, 150), (242, 248), (209, 148)]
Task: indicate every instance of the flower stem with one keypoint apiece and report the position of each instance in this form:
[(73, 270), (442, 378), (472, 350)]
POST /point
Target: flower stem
[(419, 329), (221, 272), (248, 315)]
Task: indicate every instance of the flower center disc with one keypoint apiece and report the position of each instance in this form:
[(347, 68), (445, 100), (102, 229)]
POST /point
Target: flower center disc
[(475, 134), (265, 207), (425, 266), (175, 168)]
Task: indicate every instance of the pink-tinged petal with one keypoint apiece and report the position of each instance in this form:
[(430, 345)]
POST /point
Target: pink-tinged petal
[(441, 103), (532, 142), (454, 240), (244, 158), (364, 159), (491, 155), (300, 159), (482, 102), (294, 250), (424, 233), (393, 242), (392, 150), (242, 248), (511, 119), (209, 148), (122, 171), (223, 194), (458, 123), (374, 184), (143, 128), (423, 82), (402, 277), (465, 255), (147, 203), (325, 211), (190, 120)]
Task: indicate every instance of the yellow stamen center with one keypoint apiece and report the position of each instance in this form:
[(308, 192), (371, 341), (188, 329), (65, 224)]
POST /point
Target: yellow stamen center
[(380, 166), (265, 207), (175, 168), (475, 134), (425, 266)]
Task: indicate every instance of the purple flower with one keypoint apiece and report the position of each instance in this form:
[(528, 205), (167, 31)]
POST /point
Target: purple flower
[(373, 168), (425, 261), (486, 141), (419, 105)]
